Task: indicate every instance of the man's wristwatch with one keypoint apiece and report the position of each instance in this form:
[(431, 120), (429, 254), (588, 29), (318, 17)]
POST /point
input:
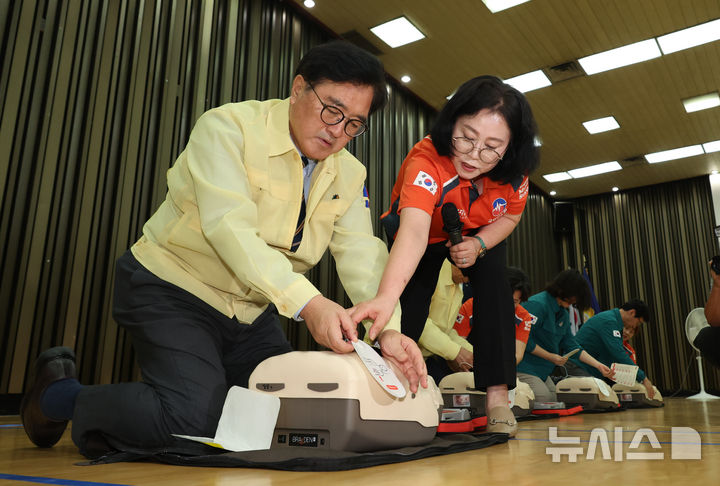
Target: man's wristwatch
[(483, 249)]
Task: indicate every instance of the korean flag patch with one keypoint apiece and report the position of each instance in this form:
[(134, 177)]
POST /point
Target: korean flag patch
[(424, 180), (616, 333)]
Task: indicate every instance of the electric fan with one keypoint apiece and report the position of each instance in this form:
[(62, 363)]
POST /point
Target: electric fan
[(694, 323)]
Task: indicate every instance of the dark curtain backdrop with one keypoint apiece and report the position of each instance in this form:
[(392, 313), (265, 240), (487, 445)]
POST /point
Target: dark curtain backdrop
[(651, 243), (97, 98), (533, 245)]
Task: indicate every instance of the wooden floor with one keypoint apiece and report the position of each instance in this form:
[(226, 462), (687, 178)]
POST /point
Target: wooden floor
[(522, 461)]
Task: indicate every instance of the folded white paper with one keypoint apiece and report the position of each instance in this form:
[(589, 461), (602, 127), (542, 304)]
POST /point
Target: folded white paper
[(624, 374), (604, 389), (247, 422), (379, 369)]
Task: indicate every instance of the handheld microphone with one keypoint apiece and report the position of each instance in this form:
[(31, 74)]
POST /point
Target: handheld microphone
[(451, 222)]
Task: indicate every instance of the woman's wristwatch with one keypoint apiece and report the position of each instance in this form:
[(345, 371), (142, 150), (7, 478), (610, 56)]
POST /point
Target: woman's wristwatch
[(483, 249)]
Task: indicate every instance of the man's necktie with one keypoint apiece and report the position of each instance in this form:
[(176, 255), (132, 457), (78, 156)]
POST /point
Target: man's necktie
[(301, 218)]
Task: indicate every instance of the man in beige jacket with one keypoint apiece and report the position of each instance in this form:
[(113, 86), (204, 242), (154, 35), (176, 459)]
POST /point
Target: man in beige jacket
[(260, 192)]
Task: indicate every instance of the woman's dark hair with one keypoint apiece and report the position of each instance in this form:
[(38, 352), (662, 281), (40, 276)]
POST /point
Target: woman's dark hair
[(519, 281), (489, 92), (343, 62), (568, 284)]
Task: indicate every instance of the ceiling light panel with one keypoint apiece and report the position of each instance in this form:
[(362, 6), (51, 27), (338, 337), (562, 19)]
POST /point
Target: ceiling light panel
[(529, 82), (678, 153), (601, 125), (621, 56), (499, 5), (690, 37), (596, 169), (704, 102), (398, 32), (557, 177), (712, 147)]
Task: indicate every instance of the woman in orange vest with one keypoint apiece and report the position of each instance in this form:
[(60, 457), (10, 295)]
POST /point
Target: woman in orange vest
[(478, 156)]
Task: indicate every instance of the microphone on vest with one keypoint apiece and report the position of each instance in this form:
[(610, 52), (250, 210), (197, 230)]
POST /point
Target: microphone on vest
[(452, 224)]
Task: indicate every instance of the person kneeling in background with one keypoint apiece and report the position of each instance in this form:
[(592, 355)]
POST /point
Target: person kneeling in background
[(602, 336)]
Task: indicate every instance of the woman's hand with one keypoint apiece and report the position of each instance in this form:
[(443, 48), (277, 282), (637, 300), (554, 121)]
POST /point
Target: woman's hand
[(378, 309), (464, 253), (492, 234), (404, 353)]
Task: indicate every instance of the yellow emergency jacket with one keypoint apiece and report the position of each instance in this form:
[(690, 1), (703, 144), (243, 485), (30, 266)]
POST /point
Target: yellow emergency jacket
[(439, 336), (224, 231)]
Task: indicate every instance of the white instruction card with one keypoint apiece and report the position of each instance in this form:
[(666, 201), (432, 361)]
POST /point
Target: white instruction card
[(379, 369), (247, 422), (624, 374)]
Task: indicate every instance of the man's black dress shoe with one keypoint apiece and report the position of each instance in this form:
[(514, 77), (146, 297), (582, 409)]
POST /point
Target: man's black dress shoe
[(52, 365)]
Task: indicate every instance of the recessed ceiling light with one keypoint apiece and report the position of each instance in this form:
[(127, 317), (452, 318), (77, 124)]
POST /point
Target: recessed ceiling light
[(621, 56), (537, 142), (712, 147), (552, 193), (498, 5), (405, 79), (398, 32), (673, 154), (557, 176), (529, 81), (690, 37), (596, 169), (615, 189), (309, 3), (601, 125), (703, 102)]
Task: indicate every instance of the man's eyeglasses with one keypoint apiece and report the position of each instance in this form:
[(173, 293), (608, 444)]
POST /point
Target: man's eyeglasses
[(466, 145), (332, 115)]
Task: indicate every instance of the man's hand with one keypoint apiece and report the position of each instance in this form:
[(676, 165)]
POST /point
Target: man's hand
[(606, 372), (462, 362), (558, 360), (378, 309), (329, 324), (402, 351), (649, 388)]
